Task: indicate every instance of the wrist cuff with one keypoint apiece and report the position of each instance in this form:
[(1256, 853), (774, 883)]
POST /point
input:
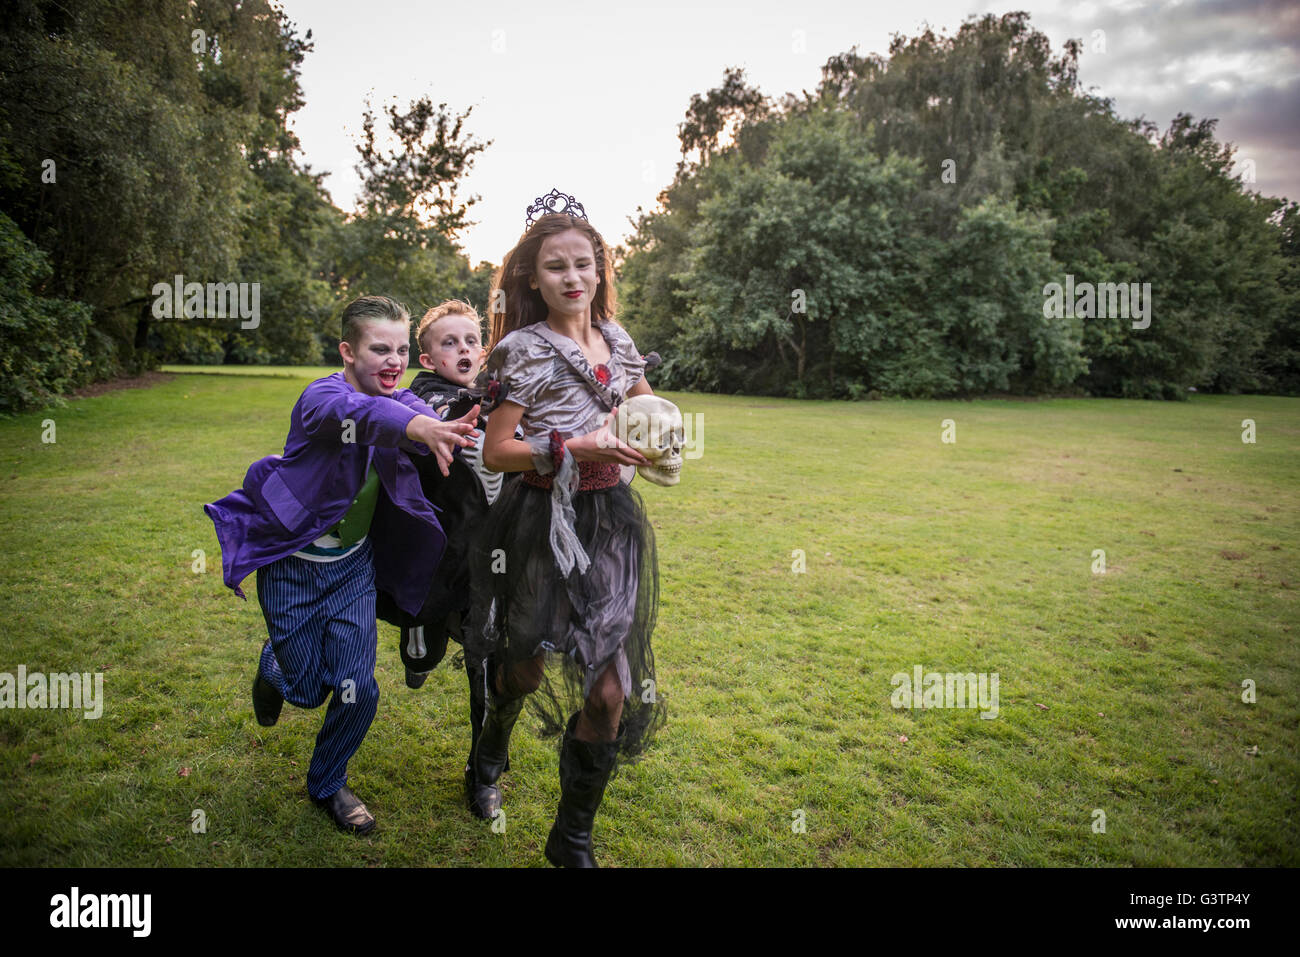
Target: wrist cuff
[(557, 449), (543, 460)]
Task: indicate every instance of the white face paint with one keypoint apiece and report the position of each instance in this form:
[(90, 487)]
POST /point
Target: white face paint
[(653, 426), (376, 365)]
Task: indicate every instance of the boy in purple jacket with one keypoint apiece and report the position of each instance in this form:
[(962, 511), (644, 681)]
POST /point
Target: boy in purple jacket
[(341, 511)]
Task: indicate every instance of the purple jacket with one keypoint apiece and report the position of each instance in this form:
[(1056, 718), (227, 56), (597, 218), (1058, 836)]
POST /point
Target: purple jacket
[(290, 500)]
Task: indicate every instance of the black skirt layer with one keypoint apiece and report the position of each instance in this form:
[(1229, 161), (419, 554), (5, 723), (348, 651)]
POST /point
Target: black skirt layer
[(522, 606)]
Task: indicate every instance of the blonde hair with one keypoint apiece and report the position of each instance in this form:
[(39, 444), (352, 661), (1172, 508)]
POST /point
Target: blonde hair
[(449, 307)]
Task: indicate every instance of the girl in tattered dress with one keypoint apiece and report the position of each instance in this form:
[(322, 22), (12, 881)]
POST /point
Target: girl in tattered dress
[(565, 567)]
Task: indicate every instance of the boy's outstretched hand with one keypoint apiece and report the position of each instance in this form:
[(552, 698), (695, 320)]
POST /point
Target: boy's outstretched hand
[(443, 438)]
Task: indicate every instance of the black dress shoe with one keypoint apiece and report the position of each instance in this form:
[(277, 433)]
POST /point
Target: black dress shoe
[(267, 702), (347, 811)]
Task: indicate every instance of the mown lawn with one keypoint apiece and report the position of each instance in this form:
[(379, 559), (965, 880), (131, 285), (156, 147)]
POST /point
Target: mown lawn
[(1119, 692)]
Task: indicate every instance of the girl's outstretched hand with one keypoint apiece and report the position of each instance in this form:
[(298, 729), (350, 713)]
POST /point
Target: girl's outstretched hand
[(441, 437), (602, 445)]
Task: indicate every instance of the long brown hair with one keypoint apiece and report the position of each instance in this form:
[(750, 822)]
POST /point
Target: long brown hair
[(512, 305)]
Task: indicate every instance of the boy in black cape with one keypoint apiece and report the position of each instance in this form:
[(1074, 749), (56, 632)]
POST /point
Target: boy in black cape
[(451, 351)]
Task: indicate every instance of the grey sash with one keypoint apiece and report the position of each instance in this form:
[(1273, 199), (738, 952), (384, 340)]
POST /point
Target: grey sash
[(572, 354), (565, 545)]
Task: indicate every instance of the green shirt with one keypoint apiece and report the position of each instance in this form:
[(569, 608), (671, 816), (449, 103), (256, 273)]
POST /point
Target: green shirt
[(355, 524)]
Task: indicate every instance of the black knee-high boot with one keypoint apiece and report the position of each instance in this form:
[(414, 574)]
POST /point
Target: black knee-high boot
[(493, 718), (584, 771), (476, 708)]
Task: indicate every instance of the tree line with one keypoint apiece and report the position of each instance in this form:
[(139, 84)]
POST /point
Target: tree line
[(911, 226), (142, 142)]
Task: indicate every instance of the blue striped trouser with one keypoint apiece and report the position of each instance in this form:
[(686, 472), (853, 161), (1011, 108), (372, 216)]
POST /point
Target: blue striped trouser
[(323, 638)]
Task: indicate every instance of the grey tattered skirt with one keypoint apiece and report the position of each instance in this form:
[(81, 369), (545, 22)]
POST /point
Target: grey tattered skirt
[(523, 606)]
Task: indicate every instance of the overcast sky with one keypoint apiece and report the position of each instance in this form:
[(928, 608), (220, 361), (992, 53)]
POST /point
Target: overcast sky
[(587, 96)]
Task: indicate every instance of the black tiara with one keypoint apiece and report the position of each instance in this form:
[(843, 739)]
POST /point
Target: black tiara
[(554, 202)]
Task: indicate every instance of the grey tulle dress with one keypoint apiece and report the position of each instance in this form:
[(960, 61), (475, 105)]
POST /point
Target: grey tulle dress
[(602, 611)]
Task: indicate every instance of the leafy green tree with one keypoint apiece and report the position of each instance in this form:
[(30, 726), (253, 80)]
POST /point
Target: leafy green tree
[(1020, 179), (400, 242), (986, 294), (145, 136), (1281, 362), (250, 66), (720, 114), (126, 176), (790, 259), (415, 185), (40, 337)]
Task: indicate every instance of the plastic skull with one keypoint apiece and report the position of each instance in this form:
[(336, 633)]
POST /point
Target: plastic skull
[(653, 426)]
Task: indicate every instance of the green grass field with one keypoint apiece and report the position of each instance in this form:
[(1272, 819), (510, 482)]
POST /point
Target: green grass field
[(1119, 692)]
